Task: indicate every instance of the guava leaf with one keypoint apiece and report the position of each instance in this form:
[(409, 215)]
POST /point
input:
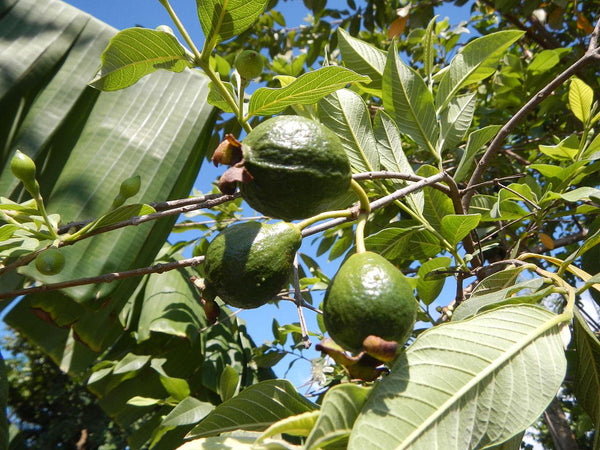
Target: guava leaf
[(587, 381), (362, 57), (468, 384), (341, 406), (255, 408), (477, 61), (455, 120), (477, 139), (305, 90), (344, 112), (224, 19), (581, 97), (408, 100), (136, 52)]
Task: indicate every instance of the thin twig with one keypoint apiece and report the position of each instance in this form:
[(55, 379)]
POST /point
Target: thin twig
[(384, 174), (379, 203), (590, 55), (105, 278), (521, 196), (299, 301)]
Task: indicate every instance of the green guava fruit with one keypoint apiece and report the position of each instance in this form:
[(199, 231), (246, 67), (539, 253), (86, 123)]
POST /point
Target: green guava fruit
[(249, 263), (249, 64), (50, 262), (23, 168), (369, 296), (290, 168)]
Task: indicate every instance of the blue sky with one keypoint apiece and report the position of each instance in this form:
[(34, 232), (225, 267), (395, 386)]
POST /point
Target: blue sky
[(150, 13)]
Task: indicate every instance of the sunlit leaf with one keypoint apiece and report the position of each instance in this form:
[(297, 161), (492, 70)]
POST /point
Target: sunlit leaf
[(456, 226), (467, 384), (298, 425), (362, 57), (408, 100), (224, 19), (136, 52), (344, 112), (305, 90), (455, 120), (477, 61), (188, 411), (581, 97)]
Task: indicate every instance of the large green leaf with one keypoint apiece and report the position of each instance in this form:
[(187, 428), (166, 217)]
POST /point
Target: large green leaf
[(477, 61), (410, 242), (85, 143), (344, 112), (389, 147), (305, 90), (468, 384), (136, 52), (339, 410), (409, 101), (581, 97), (587, 381), (455, 120), (362, 57), (255, 408), (224, 19)]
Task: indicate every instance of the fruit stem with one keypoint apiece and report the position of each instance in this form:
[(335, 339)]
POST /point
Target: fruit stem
[(365, 206), (324, 216), (40, 204), (365, 210), (181, 28)]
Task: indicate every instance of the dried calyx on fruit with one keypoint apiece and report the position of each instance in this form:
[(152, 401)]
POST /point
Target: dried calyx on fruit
[(249, 263), (288, 167), (367, 297)]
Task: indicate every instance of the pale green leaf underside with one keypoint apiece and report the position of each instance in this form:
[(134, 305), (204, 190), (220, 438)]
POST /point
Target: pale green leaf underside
[(477, 61), (468, 384), (224, 19), (298, 425), (455, 120), (189, 410), (255, 408), (305, 90), (339, 410), (136, 52), (362, 57), (389, 145), (344, 112), (409, 101)]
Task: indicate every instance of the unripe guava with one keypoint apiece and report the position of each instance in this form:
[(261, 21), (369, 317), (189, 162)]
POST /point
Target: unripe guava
[(249, 263), (369, 296), (249, 64), (50, 262)]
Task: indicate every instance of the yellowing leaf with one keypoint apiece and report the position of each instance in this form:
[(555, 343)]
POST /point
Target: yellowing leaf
[(547, 241), (397, 27), (584, 24), (581, 97)]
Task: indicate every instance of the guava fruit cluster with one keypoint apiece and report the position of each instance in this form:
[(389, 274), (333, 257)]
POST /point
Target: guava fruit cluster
[(291, 167)]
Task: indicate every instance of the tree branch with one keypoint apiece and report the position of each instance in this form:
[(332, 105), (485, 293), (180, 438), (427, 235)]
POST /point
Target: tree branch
[(105, 278), (590, 55)]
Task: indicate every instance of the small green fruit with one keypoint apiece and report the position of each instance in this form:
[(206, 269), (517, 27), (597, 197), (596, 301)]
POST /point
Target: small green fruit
[(130, 186), (249, 263), (294, 168), (369, 296), (50, 262), (23, 168), (249, 64)]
